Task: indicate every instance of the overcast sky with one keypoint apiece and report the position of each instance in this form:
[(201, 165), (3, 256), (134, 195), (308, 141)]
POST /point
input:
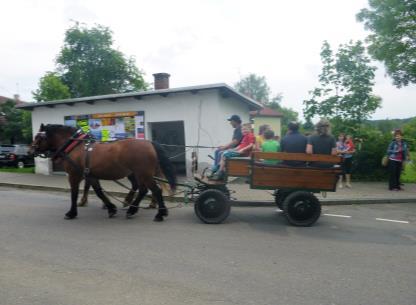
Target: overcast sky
[(196, 41)]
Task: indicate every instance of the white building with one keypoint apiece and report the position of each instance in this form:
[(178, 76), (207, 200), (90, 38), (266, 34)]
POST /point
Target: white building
[(194, 115)]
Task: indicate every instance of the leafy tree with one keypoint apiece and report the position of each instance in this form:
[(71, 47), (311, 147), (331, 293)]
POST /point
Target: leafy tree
[(289, 114), (409, 132), (255, 87), (345, 92), (51, 88), (18, 124), (88, 65), (393, 23)]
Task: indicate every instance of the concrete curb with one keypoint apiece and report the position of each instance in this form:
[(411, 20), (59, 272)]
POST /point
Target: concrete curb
[(240, 203)]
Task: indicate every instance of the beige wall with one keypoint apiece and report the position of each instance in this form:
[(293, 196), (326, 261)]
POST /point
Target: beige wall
[(274, 122)]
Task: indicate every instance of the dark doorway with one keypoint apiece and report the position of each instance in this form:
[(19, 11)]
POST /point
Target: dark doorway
[(171, 133)]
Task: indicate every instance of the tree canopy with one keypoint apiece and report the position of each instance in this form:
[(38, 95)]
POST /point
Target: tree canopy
[(346, 81), (254, 86), (51, 88), (17, 127), (88, 65), (393, 41)]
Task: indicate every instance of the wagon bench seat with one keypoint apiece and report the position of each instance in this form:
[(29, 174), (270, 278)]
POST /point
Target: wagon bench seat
[(266, 176)]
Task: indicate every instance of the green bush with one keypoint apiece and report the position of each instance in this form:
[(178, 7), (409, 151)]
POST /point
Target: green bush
[(371, 147), (409, 174)]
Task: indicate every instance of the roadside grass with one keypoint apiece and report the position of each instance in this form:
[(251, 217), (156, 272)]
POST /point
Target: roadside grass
[(409, 174), (26, 170)]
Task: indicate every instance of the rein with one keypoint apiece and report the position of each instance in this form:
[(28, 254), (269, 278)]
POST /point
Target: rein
[(65, 149), (70, 144)]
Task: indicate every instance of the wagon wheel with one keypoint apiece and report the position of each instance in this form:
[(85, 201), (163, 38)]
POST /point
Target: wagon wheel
[(301, 208), (279, 197), (212, 206)]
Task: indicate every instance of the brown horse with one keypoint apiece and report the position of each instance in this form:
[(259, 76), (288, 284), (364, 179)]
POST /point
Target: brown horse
[(127, 200), (106, 161)]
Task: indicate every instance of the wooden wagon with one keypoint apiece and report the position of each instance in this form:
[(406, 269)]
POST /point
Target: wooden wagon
[(294, 186)]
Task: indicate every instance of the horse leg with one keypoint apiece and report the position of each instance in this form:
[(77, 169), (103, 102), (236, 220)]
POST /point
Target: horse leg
[(84, 200), (134, 207), (74, 183), (157, 194), (111, 208), (134, 186)]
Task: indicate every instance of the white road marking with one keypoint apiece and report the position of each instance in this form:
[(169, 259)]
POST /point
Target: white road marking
[(392, 220), (336, 215)]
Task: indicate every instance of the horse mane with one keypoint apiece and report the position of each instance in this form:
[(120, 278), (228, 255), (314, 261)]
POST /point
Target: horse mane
[(57, 128)]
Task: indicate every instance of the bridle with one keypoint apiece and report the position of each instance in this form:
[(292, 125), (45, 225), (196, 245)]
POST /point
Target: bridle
[(61, 151), (40, 136)]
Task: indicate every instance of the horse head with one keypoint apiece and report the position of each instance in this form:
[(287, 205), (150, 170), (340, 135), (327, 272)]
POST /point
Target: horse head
[(49, 138)]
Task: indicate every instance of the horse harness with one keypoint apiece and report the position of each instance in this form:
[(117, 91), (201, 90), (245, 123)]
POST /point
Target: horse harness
[(64, 151)]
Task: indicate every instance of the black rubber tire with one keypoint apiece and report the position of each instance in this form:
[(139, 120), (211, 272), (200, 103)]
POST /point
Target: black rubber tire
[(212, 206), (301, 209), (279, 197)]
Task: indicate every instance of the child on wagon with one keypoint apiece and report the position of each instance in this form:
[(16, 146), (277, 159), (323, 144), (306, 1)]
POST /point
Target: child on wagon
[(242, 150), (270, 145)]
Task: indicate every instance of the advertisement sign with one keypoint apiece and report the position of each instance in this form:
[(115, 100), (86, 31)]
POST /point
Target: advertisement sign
[(110, 126)]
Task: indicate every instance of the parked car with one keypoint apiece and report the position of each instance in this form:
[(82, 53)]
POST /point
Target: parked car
[(16, 155)]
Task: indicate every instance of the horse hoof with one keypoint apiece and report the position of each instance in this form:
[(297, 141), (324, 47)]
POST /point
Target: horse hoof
[(70, 216), (164, 212), (129, 215), (112, 214), (158, 218)]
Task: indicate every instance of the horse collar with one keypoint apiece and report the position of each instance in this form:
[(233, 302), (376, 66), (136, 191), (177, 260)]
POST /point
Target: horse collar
[(74, 142)]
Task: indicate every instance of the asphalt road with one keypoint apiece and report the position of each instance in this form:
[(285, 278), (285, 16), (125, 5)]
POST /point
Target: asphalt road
[(353, 255)]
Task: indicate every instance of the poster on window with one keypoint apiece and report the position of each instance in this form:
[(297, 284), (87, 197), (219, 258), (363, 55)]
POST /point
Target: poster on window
[(110, 126)]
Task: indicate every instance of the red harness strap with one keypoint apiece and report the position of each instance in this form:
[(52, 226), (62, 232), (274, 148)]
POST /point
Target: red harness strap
[(75, 142)]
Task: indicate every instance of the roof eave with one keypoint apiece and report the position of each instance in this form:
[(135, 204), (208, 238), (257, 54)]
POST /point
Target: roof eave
[(253, 105)]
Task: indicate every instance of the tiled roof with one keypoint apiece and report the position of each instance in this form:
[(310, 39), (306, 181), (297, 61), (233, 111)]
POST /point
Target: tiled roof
[(266, 111), (4, 99)]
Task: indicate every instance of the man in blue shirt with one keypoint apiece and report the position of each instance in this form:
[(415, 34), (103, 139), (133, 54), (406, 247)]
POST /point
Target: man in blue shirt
[(235, 122)]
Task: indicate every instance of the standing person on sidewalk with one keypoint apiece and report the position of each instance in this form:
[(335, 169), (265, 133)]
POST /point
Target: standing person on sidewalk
[(341, 150), (397, 153), (347, 164)]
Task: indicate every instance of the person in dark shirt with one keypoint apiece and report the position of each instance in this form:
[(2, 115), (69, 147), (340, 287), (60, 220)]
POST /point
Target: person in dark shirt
[(293, 142), (235, 122), (322, 142)]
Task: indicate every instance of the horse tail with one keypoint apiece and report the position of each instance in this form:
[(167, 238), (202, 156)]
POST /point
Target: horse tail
[(164, 186), (165, 165)]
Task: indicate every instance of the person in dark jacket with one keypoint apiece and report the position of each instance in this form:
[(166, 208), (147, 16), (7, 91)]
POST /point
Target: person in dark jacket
[(397, 152), (322, 142), (293, 142)]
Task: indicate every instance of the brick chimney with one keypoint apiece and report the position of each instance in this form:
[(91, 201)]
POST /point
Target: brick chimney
[(161, 80), (16, 98)]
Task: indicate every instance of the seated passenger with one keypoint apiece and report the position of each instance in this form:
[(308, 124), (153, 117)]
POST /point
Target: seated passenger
[(235, 122), (322, 142), (293, 142), (270, 145), (242, 150), (260, 138)]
